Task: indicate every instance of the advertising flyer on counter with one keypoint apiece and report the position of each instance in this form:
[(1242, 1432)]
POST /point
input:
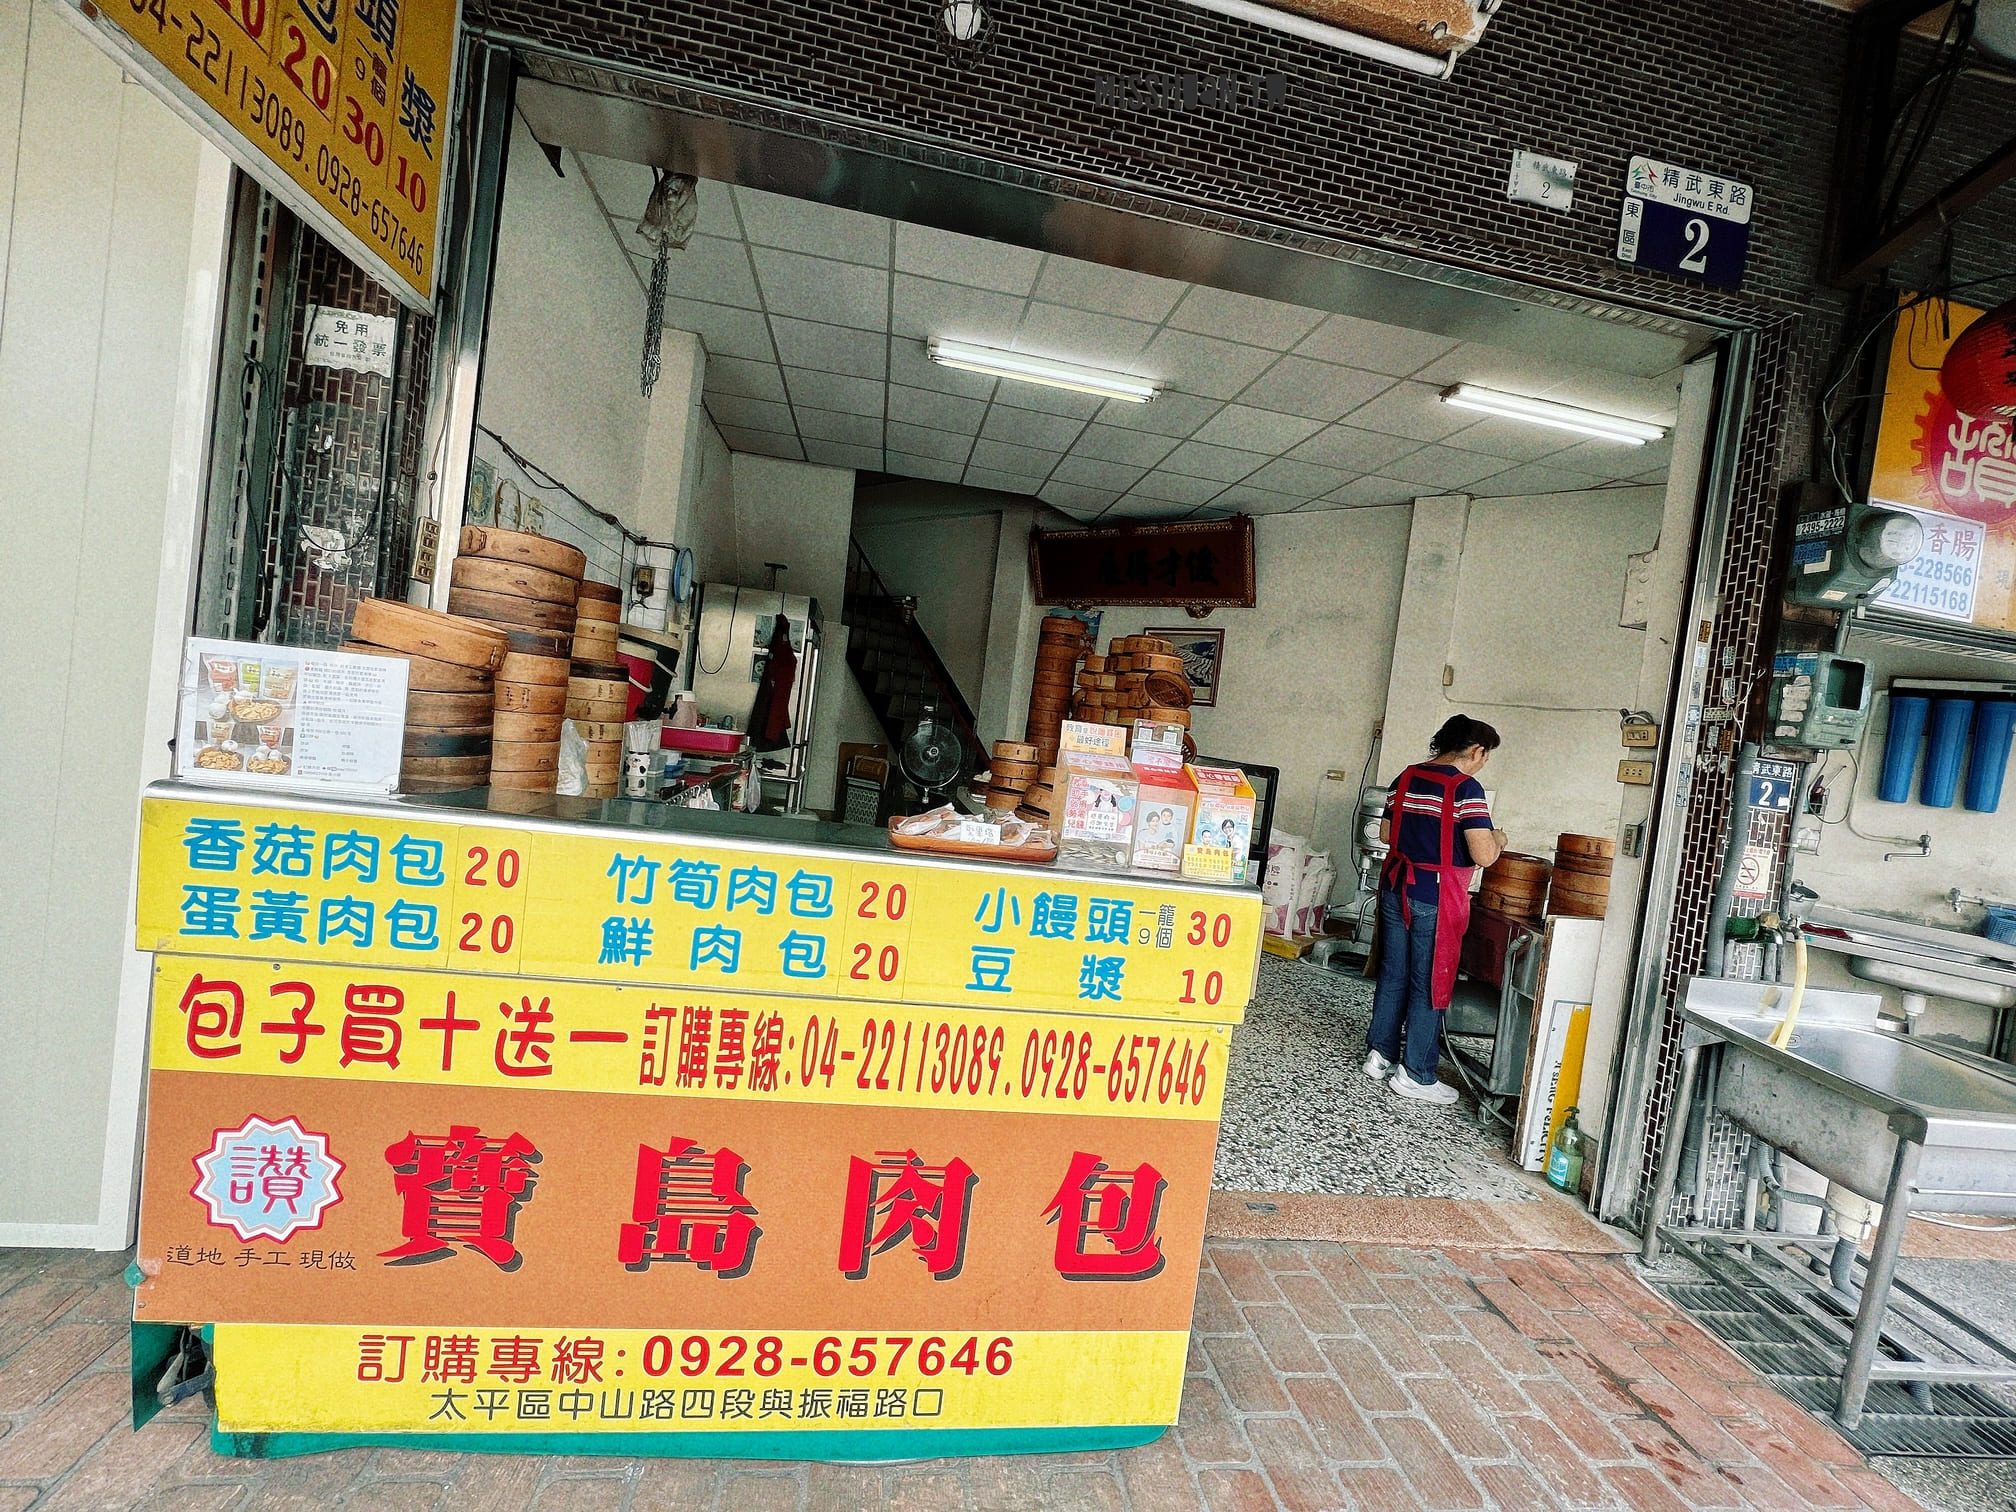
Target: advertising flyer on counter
[(283, 717)]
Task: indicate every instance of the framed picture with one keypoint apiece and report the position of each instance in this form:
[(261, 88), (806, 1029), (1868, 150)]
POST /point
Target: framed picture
[(1203, 653)]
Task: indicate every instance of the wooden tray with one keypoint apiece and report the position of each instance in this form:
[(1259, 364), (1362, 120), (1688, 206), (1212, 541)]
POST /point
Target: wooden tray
[(1025, 855)]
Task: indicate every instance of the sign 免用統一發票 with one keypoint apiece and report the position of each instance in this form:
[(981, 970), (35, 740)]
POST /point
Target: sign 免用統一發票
[(339, 107)]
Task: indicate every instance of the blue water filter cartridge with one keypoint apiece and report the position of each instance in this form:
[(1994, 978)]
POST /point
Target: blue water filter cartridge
[(1944, 746), (1988, 756), (1900, 748)]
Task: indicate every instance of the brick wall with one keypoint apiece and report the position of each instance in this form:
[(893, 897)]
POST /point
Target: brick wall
[(1747, 88)]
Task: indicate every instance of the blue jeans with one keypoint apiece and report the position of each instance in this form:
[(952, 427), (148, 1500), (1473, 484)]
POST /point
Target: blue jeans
[(1406, 982)]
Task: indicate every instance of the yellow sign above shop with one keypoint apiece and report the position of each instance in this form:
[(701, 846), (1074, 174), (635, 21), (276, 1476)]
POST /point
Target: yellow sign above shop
[(340, 107)]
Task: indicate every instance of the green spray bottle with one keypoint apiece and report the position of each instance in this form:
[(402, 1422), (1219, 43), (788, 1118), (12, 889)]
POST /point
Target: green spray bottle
[(1564, 1155)]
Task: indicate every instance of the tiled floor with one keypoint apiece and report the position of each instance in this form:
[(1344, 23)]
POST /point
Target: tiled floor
[(1322, 1376)]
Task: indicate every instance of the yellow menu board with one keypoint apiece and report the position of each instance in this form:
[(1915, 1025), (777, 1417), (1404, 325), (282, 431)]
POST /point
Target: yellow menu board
[(340, 107)]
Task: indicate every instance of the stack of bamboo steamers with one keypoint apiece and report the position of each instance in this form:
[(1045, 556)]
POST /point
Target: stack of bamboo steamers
[(524, 587), (451, 672), (1012, 772), (1060, 642), (598, 687), (1139, 677), (1576, 883)]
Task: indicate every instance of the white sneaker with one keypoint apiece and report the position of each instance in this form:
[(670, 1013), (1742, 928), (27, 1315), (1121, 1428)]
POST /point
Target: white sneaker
[(1403, 1084), (1377, 1066)]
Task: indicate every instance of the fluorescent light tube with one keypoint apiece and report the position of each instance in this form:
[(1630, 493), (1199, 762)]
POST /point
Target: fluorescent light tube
[(1044, 370), (1564, 417)]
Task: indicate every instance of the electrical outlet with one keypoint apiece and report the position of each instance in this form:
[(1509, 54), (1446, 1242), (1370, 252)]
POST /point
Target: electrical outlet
[(1635, 773), (1632, 843), (427, 551), (1641, 731), (644, 581)]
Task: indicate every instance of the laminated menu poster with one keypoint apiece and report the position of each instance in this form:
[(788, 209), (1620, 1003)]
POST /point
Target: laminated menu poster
[(285, 717)]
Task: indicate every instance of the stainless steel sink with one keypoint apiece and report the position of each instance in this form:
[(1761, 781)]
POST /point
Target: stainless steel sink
[(1910, 1123), (1918, 960)]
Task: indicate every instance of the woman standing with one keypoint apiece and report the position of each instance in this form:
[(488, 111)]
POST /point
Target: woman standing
[(1439, 827)]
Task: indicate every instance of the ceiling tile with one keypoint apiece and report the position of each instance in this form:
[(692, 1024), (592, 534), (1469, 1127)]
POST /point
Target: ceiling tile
[(1002, 482), (713, 269), (923, 441), (1609, 460), (1369, 491), (1006, 457), (909, 364), (1246, 499), (1241, 317), (1116, 476), (1318, 390), (1652, 478), (738, 375), (842, 454), (1203, 364), (1076, 496), (1305, 479), (835, 391), (969, 260), (1511, 439), (1030, 428), (818, 288), (1113, 444), (1047, 400), (830, 348), (1377, 347), (1410, 409), (1081, 336), (763, 443), (1169, 413), (1224, 463), (832, 425), (1252, 429), (1176, 488), (1135, 507), (926, 308), (1107, 291), (927, 407), (749, 414), (717, 204), (728, 332), (1352, 449), (1444, 467), (1535, 478), (934, 468), (778, 220)]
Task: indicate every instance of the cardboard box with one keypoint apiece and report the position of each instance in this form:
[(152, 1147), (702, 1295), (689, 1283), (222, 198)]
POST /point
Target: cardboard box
[(1224, 821), (1164, 799), (1099, 797)]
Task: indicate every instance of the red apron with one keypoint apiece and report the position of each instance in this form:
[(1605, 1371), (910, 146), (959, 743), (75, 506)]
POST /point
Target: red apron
[(1453, 881)]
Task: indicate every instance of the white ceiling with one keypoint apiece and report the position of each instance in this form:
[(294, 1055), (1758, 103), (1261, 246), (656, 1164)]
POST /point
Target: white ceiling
[(815, 321)]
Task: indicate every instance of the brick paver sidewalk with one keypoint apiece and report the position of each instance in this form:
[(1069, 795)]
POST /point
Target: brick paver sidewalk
[(1322, 1376)]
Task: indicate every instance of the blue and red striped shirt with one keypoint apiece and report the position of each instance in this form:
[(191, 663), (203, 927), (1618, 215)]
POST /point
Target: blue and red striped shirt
[(1418, 834)]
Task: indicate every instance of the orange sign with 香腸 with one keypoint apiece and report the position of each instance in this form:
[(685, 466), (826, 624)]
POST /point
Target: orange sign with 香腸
[(341, 107)]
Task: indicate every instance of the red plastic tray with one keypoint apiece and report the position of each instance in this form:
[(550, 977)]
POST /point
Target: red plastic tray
[(711, 742)]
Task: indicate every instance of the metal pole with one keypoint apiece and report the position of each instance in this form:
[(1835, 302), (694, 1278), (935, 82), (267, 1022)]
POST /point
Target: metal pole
[(1876, 1284), (1669, 1152), (1732, 860)]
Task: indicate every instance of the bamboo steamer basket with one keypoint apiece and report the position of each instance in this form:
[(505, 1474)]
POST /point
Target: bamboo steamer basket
[(592, 607), (601, 593), (596, 642), (529, 698), (447, 711), (529, 782), (525, 756), (513, 800), (425, 674), (597, 688), (516, 725), (1014, 750), (1581, 881), (595, 709), (1515, 884), (1564, 897), (468, 770), (505, 609), (427, 742), (414, 631), (553, 643), (600, 789), (524, 547), (597, 731), (1596, 847), (546, 671)]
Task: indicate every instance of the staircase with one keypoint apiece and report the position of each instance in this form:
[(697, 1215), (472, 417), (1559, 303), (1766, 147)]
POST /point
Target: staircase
[(894, 661)]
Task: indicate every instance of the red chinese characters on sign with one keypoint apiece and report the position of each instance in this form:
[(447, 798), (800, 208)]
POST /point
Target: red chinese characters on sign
[(296, 1025), (897, 1197), (370, 1031), (689, 1206), (464, 1189), (521, 1045), (1106, 1221), (215, 1012)]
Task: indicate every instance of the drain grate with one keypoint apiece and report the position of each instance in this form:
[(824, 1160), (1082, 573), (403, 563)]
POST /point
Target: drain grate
[(1964, 1422)]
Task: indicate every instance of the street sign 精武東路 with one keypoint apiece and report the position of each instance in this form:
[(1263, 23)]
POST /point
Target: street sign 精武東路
[(1685, 222)]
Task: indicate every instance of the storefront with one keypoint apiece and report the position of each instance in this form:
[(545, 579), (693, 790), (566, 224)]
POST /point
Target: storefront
[(1411, 559)]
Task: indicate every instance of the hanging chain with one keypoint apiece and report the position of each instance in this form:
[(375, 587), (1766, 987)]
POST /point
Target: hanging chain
[(667, 225)]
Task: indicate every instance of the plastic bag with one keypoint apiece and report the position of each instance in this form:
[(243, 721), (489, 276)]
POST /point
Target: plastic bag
[(573, 779)]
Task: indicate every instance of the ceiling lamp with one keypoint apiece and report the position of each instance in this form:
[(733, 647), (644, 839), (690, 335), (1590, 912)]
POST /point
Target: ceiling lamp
[(1565, 417), (1424, 36), (1044, 370)]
